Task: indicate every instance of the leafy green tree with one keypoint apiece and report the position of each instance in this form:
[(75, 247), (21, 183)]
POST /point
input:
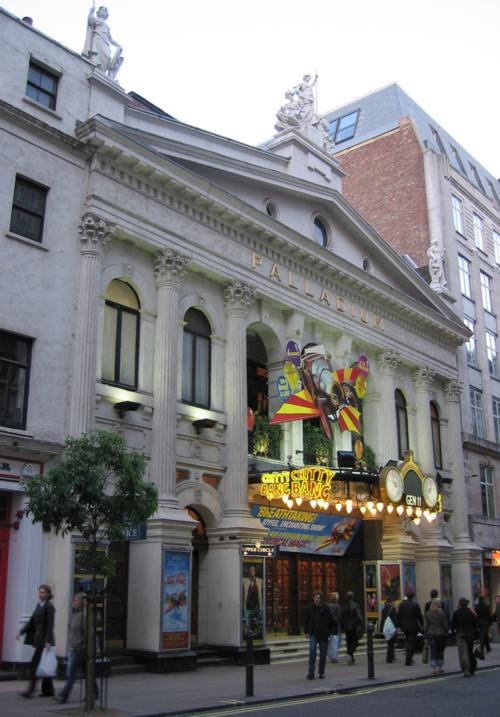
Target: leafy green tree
[(98, 491)]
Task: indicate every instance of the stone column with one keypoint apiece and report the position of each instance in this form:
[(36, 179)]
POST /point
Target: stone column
[(386, 443), (422, 380), (95, 234), (169, 271)]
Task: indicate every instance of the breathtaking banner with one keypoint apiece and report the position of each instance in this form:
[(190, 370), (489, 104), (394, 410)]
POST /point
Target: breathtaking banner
[(301, 531), (175, 618)]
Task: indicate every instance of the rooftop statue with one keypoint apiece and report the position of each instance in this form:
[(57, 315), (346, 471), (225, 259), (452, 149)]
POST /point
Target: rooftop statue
[(436, 268), (98, 42)]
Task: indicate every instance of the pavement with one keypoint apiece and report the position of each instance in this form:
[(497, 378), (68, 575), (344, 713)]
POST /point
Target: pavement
[(218, 687)]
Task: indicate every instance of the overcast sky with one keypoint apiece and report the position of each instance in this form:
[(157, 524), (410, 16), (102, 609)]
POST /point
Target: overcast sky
[(224, 65)]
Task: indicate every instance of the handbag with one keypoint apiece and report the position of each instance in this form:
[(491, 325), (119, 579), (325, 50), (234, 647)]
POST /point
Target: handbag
[(47, 667), (425, 652), (479, 653), (389, 629)]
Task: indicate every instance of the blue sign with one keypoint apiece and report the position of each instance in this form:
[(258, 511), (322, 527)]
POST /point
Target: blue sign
[(284, 388), (138, 532), (293, 353)]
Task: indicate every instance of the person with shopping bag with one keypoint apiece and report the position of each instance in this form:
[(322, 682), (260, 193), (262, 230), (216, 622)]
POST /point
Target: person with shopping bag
[(39, 631), (388, 621), (335, 638)]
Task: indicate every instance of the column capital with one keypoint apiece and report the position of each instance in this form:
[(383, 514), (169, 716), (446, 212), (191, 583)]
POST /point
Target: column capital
[(453, 389), (423, 377), (169, 266), (238, 295), (95, 233), (387, 361)]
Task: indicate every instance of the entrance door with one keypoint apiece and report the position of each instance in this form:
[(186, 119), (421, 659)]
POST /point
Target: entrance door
[(279, 605), (314, 576), (4, 558), (116, 608)]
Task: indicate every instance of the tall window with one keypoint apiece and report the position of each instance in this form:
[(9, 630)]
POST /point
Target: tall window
[(15, 361), (121, 335), (487, 491), (496, 418), (478, 231), (465, 272), (319, 232), (28, 209), (496, 243), (42, 86), (436, 436), (491, 352), (477, 413), (470, 346), (458, 214), (486, 291), (196, 359), (401, 422)]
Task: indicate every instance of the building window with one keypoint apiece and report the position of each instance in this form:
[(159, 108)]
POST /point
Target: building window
[(15, 361), (196, 359), (344, 127), (402, 423), (436, 436), (28, 209), (487, 491), (496, 418), (477, 177), (465, 273), (121, 335), (496, 242), (470, 346), (486, 291), (458, 214), (477, 413), (42, 86), (271, 209), (319, 232), (438, 140), (458, 159), (478, 231), (491, 352)]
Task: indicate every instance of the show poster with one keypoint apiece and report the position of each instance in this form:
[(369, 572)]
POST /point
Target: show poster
[(176, 600), (409, 578), (371, 606), (446, 589), (390, 581), (253, 608), (302, 531), (477, 582)]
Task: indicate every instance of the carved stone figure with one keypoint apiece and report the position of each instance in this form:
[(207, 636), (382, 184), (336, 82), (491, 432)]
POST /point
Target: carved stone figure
[(298, 110), (436, 269), (98, 42)]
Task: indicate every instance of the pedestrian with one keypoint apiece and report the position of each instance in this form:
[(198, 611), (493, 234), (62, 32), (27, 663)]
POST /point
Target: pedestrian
[(77, 645), (434, 594), (389, 613), (335, 638), (352, 625), (318, 625), (483, 613), (39, 631), (410, 620), (465, 624), (436, 631)]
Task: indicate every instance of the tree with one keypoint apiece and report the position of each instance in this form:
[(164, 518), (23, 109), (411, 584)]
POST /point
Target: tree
[(98, 491)]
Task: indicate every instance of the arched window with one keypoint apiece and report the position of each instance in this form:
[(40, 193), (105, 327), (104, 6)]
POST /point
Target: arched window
[(196, 359), (401, 422), (120, 357), (436, 435), (320, 232)]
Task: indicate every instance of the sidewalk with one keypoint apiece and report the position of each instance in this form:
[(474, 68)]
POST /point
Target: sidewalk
[(146, 694)]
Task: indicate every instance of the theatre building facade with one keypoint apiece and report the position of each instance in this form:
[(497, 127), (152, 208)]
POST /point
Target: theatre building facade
[(291, 379)]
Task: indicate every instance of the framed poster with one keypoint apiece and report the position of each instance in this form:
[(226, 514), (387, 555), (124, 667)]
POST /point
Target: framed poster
[(176, 600), (253, 608), (446, 590), (477, 582), (390, 581), (371, 596), (409, 578)]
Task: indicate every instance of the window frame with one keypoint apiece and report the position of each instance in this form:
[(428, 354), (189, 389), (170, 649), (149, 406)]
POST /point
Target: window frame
[(471, 344), (120, 310), (320, 226), (26, 366), (496, 417), (487, 485), (491, 352), (457, 208), (336, 127), (496, 244), (27, 210), (477, 413), (486, 283), (436, 435), (38, 89), (400, 406), (465, 276), (197, 336), (478, 228)]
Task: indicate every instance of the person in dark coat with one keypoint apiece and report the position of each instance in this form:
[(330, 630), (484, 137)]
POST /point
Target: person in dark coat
[(318, 626), (433, 595), (465, 624), (334, 641), (482, 610), (389, 611), (411, 621), (352, 625), (39, 631)]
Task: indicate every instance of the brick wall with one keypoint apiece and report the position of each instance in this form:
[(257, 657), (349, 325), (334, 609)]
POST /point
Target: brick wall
[(385, 183)]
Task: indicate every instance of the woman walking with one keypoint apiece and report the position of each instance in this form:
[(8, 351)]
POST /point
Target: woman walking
[(436, 629), (39, 631)]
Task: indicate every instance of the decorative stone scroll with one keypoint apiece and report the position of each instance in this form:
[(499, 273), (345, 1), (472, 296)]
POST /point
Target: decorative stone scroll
[(95, 233), (423, 377), (238, 295), (169, 265), (453, 389), (388, 361)]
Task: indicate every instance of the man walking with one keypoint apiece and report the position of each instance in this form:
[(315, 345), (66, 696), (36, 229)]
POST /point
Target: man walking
[(465, 624), (411, 621), (352, 625), (318, 625)]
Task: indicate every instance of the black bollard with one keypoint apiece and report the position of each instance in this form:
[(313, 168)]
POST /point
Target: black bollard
[(249, 664), (369, 651)]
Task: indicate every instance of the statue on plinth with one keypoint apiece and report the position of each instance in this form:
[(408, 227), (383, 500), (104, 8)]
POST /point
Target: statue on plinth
[(436, 267), (98, 43)]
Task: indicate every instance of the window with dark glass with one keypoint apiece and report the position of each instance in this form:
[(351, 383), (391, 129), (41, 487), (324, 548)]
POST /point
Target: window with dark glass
[(343, 128), (196, 359), (401, 422), (487, 491), (319, 231), (477, 413), (120, 356), (28, 209), (436, 436), (42, 85), (15, 361)]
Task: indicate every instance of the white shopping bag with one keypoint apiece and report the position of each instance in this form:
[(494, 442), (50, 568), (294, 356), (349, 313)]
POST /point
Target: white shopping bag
[(48, 663), (389, 629)]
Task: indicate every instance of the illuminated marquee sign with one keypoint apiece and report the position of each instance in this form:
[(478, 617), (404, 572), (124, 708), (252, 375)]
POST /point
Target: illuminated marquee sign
[(307, 483)]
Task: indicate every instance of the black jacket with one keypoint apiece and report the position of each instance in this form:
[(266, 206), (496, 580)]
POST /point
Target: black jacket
[(318, 621), (410, 617), (464, 622), (351, 620), (40, 627)]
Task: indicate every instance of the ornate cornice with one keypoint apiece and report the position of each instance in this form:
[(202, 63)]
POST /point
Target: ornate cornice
[(169, 266), (238, 295), (95, 233)]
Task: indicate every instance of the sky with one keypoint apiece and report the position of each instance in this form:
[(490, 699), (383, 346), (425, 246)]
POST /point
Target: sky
[(224, 65)]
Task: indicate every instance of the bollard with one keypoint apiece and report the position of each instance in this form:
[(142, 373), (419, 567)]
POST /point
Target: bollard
[(249, 664), (369, 651)]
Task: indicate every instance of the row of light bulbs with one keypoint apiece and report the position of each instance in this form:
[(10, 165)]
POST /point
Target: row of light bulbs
[(370, 506)]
